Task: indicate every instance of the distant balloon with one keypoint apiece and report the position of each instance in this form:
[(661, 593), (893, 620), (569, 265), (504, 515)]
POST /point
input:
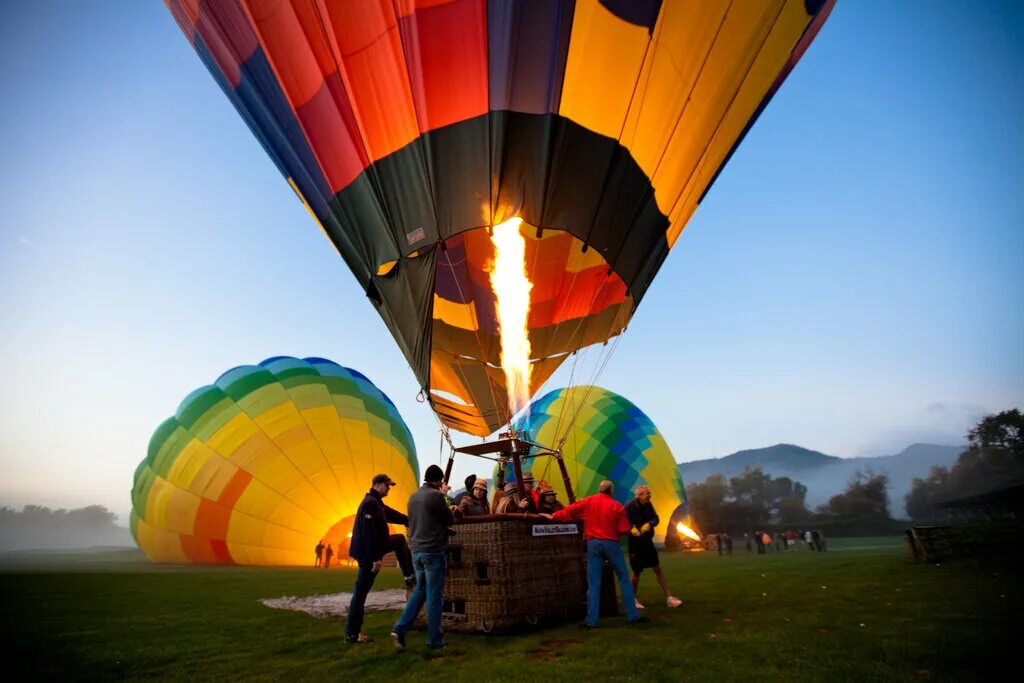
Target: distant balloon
[(409, 129), (606, 437), (267, 461)]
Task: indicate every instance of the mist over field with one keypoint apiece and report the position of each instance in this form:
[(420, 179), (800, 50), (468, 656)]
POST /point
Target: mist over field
[(36, 527)]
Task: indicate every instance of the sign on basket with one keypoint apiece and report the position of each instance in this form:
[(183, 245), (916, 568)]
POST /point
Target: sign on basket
[(554, 529)]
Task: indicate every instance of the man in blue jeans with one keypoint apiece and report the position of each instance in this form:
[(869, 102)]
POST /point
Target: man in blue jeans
[(429, 519), (605, 521), (371, 540)]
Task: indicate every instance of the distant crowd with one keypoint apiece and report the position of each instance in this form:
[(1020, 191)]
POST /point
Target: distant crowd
[(766, 542)]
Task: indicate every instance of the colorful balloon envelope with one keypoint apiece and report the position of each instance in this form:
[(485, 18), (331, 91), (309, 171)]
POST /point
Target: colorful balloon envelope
[(604, 436), (409, 128), (266, 462)]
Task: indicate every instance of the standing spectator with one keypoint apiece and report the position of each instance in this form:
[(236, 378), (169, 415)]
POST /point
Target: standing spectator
[(746, 540), (319, 549), (642, 553), (718, 543), (728, 544), (371, 541), (759, 542), (429, 519), (328, 555), (604, 522)]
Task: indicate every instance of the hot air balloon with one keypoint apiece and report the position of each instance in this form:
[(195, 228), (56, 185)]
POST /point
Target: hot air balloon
[(411, 128), (604, 436), (261, 465)]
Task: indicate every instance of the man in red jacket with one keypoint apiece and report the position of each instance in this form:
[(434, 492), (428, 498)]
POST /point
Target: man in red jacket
[(604, 522)]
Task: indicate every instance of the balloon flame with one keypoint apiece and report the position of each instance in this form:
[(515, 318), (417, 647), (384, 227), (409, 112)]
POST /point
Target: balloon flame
[(512, 288), (687, 531)]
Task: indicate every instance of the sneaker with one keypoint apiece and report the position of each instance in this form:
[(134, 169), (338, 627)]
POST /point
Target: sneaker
[(584, 626), (639, 620), (398, 639), (440, 646), (358, 638), (637, 604), (673, 601)]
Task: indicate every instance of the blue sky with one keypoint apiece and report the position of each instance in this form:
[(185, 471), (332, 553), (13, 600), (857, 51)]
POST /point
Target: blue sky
[(851, 284)]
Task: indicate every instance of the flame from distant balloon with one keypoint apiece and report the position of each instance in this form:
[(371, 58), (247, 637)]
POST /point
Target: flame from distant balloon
[(687, 531), (512, 289)]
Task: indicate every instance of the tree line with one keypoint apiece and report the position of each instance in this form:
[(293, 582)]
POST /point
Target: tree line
[(41, 527), (994, 459), (755, 500)]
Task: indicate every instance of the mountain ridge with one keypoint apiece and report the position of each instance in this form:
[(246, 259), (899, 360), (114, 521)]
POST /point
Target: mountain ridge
[(827, 475)]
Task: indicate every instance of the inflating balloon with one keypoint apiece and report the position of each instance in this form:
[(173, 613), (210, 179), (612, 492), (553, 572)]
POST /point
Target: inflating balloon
[(410, 128), (605, 436), (260, 466)]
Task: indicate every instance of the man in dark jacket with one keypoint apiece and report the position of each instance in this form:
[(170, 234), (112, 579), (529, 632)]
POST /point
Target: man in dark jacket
[(370, 543), (642, 553), (429, 519)]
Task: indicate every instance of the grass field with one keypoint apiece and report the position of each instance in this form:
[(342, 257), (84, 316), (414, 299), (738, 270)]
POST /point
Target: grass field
[(858, 612)]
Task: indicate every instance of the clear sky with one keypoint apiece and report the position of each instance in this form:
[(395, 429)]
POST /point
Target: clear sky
[(851, 284)]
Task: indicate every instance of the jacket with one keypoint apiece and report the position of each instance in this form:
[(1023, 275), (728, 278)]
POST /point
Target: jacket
[(429, 517), (370, 528), (604, 517), (471, 506), (640, 514)]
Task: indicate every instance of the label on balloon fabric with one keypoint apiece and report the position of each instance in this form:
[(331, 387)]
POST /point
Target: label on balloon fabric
[(554, 529), (415, 236)]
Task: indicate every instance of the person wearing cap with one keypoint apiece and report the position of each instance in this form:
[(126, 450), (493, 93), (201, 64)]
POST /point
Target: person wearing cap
[(529, 491), (642, 553), (512, 502), (548, 499), (476, 503), (604, 522), (429, 519), (371, 541)]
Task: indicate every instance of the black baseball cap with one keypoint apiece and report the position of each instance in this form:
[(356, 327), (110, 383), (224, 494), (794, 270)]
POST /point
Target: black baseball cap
[(383, 479)]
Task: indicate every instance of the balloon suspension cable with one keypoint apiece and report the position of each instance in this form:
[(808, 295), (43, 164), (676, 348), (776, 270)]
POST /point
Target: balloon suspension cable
[(603, 363)]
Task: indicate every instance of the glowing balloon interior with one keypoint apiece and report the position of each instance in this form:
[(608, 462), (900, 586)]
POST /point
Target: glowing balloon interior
[(409, 129), (267, 461)]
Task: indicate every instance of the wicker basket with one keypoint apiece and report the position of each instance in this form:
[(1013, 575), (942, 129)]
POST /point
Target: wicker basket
[(500, 575)]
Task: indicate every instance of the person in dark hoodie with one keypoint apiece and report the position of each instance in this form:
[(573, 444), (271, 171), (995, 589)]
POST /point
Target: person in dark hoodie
[(429, 520), (370, 543), (642, 553)]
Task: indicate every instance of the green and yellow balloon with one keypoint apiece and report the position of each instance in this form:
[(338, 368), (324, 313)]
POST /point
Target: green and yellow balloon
[(259, 466), (605, 437)]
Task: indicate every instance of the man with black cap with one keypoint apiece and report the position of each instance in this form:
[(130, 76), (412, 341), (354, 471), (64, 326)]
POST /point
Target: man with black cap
[(429, 519), (370, 543)]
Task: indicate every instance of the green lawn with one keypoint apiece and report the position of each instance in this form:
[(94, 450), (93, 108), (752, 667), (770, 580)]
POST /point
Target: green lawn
[(858, 612)]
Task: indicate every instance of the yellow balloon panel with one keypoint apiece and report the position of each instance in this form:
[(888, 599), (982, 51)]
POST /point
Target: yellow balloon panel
[(260, 466)]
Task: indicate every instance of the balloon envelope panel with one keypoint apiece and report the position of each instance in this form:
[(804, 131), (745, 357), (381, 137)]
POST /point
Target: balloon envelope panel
[(264, 463), (600, 123), (606, 437)]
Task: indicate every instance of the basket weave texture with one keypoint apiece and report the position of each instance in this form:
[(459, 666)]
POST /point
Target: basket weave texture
[(500, 574)]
